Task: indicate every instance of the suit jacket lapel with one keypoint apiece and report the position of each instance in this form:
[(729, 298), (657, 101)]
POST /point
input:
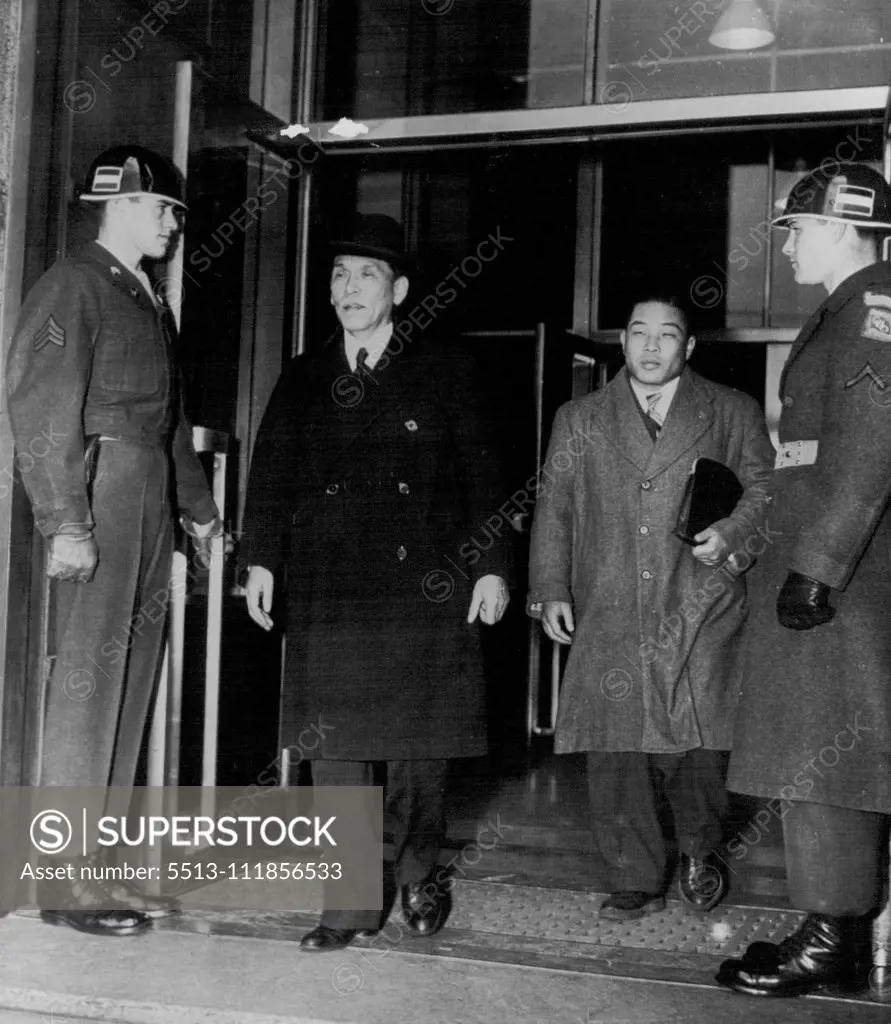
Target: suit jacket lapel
[(359, 399), (690, 416), (619, 419)]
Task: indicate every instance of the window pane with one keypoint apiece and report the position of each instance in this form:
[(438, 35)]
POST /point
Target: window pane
[(660, 51), (392, 58)]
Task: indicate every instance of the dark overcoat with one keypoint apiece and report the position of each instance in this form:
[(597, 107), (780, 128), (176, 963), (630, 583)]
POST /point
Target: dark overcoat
[(650, 664), (814, 719), (371, 493)]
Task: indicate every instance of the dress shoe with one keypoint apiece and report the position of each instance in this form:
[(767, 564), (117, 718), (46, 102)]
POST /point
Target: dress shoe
[(630, 904), (702, 881), (323, 939), (426, 906), (87, 905), (122, 921), (825, 952), (118, 891)]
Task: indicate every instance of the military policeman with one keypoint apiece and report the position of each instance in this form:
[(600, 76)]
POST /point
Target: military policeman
[(371, 477), (91, 374), (813, 732)]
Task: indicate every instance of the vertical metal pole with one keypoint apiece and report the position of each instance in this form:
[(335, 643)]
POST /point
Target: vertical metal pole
[(303, 111), (555, 686), (179, 579), (533, 681), (880, 978), (182, 119), (214, 640), (769, 247), (163, 754)]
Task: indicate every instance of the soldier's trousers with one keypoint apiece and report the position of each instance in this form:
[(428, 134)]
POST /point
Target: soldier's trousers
[(836, 858), (626, 790), (108, 633), (415, 799)]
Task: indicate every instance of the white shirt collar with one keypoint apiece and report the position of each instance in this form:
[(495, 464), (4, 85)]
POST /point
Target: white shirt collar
[(665, 391), (376, 345)]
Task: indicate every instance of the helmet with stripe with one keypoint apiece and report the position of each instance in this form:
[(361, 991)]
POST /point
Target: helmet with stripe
[(849, 193), (132, 171)]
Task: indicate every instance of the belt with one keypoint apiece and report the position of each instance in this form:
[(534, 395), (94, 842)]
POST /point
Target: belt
[(796, 453)]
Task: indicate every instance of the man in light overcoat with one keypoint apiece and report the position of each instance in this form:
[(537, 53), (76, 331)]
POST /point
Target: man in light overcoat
[(652, 621)]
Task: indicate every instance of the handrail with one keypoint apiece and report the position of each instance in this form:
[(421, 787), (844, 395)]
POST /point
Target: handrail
[(164, 737)]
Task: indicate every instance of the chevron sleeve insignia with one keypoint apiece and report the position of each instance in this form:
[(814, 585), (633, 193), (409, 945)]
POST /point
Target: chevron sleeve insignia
[(50, 334)]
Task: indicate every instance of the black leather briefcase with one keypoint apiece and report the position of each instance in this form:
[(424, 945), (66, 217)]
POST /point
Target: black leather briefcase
[(712, 493)]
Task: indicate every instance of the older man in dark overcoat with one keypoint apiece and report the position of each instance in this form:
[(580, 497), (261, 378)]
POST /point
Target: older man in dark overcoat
[(652, 621), (814, 724), (372, 476)]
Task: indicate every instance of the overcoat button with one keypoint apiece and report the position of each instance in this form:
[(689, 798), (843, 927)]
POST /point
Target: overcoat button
[(645, 530), (403, 488), (332, 489), (646, 575), (788, 401), (401, 553), (646, 485)]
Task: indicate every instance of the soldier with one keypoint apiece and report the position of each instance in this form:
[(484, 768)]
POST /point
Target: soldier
[(652, 621), (371, 477), (94, 398), (814, 723)]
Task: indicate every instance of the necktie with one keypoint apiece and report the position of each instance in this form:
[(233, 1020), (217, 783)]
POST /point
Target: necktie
[(361, 356), (652, 402)]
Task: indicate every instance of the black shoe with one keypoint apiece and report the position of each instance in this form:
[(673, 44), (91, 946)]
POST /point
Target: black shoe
[(630, 904), (323, 939), (426, 906), (702, 881), (85, 903), (823, 953), (122, 921)]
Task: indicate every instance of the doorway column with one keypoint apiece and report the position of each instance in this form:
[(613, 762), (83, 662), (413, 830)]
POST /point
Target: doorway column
[(18, 23)]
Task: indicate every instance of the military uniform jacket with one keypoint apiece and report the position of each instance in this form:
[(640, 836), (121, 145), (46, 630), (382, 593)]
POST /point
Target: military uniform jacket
[(651, 663), (92, 355), (814, 719), (369, 493)]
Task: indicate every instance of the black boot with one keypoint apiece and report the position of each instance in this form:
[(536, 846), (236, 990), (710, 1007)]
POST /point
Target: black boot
[(824, 952), (426, 905)]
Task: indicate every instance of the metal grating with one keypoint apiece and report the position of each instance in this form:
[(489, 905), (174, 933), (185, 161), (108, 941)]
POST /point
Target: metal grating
[(558, 914)]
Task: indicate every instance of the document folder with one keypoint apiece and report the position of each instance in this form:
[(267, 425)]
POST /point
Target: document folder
[(712, 493)]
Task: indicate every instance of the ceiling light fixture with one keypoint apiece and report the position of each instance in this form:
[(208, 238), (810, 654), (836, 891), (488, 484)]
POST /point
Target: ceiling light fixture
[(743, 26)]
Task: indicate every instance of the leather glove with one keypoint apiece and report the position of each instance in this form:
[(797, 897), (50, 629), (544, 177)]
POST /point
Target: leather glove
[(803, 603), (72, 557)]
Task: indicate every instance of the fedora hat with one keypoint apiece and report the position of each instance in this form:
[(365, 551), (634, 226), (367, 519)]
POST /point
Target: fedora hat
[(375, 235)]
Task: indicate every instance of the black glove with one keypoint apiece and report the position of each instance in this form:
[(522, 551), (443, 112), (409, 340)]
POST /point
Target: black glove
[(803, 603)]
